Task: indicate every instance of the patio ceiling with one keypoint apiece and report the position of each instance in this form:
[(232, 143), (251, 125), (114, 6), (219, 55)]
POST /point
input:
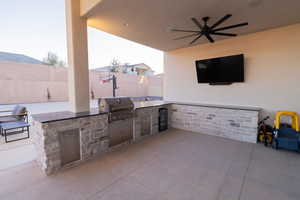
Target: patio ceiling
[(149, 22)]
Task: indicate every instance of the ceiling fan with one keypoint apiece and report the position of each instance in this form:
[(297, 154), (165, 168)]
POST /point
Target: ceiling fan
[(207, 30)]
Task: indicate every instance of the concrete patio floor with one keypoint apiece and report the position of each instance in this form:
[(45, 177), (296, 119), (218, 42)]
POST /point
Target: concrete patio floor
[(16, 153), (176, 165)]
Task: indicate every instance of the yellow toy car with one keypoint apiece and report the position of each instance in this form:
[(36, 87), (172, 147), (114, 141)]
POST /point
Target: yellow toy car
[(294, 116), (287, 137)]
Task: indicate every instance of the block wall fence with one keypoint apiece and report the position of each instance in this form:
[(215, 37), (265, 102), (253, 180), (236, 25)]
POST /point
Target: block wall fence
[(31, 83)]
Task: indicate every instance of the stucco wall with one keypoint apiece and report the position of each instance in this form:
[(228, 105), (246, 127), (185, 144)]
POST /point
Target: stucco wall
[(155, 85), (272, 71), (28, 83), (129, 85)]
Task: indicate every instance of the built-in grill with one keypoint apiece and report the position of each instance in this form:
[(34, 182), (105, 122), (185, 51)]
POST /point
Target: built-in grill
[(120, 118)]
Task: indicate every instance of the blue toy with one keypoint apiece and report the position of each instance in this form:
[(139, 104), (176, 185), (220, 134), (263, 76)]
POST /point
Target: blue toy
[(287, 137)]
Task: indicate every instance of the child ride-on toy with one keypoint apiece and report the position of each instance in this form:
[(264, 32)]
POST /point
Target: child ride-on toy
[(287, 137), (265, 132)]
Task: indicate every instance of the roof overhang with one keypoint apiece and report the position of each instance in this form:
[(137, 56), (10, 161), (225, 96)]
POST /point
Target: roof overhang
[(150, 22), (87, 6)]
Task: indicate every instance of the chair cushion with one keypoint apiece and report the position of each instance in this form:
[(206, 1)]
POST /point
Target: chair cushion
[(14, 125), (18, 110), (14, 111), (7, 119)]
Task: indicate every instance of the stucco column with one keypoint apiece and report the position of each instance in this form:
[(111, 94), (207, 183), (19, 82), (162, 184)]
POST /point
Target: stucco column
[(77, 58)]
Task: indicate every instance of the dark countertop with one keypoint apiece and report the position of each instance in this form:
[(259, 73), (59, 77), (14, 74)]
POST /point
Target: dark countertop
[(64, 115), (232, 107), (145, 104)]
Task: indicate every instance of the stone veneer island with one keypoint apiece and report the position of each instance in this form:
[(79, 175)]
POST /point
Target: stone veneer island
[(65, 139)]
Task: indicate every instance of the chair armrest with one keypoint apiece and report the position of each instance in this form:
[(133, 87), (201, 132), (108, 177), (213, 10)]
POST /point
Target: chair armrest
[(24, 114), (7, 116), (1, 111)]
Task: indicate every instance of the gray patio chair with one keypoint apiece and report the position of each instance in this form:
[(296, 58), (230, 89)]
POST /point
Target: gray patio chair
[(19, 113)]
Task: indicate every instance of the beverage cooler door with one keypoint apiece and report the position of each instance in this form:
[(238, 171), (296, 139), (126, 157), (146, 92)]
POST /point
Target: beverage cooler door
[(163, 119)]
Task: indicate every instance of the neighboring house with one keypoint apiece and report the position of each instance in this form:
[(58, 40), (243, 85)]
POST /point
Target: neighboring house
[(139, 69), (12, 57)]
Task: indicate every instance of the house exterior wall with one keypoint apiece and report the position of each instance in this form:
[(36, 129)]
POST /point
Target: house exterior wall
[(28, 83), (272, 71)]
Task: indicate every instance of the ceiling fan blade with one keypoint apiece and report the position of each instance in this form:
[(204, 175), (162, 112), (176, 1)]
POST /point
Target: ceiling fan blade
[(197, 22), (221, 21), (210, 38), (224, 34), (197, 38), (187, 31), (229, 27), (187, 36)]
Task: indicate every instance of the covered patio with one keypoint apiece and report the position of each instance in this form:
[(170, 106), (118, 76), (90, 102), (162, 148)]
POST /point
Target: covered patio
[(175, 165), (209, 150)]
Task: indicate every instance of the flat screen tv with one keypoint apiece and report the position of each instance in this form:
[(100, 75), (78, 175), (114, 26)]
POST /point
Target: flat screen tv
[(222, 70)]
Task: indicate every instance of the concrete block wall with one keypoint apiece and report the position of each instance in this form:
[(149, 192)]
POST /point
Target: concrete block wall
[(234, 124), (30, 83)]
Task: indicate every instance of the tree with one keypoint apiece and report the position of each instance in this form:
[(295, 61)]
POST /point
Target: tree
[(115, 65), (54, 60)]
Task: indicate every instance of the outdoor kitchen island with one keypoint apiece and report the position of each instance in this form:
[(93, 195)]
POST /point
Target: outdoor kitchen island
[(65, 139)]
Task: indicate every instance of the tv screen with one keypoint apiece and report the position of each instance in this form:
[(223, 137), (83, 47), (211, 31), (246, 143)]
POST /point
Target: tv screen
[(227, 69)]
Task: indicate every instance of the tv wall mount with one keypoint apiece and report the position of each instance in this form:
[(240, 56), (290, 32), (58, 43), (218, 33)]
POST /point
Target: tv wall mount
[(221, 83)]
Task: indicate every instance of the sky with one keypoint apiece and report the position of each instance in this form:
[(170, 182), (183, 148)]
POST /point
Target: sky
[(35, 27)]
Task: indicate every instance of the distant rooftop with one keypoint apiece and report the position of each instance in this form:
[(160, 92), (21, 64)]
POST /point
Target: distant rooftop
[(139, 66), (12, 57), (139, 69)]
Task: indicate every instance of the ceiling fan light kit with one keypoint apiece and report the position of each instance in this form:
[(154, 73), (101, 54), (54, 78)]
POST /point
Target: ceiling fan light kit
[(207, 31)]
